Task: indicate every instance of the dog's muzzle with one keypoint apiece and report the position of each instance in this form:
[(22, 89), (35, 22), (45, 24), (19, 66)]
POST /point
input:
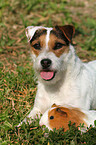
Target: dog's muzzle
[(46, 73)]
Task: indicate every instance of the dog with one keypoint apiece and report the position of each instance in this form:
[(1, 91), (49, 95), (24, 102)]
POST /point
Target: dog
[(62, 77)]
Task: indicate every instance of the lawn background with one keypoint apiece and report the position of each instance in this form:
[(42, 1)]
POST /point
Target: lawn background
[(17, 80)]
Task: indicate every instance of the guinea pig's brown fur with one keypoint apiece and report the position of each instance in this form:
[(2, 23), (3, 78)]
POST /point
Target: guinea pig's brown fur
[(60, 117)]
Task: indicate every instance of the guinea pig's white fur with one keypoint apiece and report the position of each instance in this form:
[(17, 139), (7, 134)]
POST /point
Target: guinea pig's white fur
[(75, 116)]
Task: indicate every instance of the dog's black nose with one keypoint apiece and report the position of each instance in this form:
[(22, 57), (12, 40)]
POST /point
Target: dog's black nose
[(46, 63)]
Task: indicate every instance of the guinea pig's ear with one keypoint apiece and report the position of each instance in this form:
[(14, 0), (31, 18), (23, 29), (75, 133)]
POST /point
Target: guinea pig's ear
[(54, 105), (68, 31), (61, 112)]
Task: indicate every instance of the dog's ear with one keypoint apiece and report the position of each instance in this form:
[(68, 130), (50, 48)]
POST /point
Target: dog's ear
[(68, 31), (30, 31)]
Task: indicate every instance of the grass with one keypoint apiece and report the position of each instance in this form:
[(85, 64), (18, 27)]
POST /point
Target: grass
[(17, 80)]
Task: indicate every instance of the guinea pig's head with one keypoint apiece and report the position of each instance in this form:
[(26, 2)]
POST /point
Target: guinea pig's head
[(59, 117)]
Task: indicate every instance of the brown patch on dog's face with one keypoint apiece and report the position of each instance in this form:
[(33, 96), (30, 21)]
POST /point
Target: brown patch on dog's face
[(38, 42), (57, 46), (60, 117), (60, 37), (58, 40), (38, 45)]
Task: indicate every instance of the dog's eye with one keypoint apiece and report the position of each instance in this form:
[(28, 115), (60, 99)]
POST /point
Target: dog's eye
[(58, 46), (37, 46)]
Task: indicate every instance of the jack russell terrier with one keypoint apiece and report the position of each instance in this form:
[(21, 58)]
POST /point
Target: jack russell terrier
[(62, 77)]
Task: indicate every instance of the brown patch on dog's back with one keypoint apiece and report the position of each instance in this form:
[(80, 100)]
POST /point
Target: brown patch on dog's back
[(63, 115)]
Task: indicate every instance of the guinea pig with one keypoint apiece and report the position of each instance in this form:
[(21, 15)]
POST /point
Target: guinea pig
[(58, 117)]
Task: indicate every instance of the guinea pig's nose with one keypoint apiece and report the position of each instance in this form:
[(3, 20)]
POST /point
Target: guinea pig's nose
[(41, 123)]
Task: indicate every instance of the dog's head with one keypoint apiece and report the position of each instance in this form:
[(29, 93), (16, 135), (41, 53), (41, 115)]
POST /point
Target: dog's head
[(51, 50)]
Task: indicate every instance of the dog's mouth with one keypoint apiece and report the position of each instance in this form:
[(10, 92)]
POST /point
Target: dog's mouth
[(47, 75)]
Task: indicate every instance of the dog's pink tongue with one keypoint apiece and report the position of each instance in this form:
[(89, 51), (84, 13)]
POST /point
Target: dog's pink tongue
[(47, 75)]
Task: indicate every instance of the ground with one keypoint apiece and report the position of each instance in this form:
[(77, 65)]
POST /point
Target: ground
[(17, 80)]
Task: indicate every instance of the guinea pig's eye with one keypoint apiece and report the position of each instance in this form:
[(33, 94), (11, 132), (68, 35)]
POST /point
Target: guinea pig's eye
[(51, 117)]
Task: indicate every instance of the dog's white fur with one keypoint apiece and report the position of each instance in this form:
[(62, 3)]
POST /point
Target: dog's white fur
[(74, 83)]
